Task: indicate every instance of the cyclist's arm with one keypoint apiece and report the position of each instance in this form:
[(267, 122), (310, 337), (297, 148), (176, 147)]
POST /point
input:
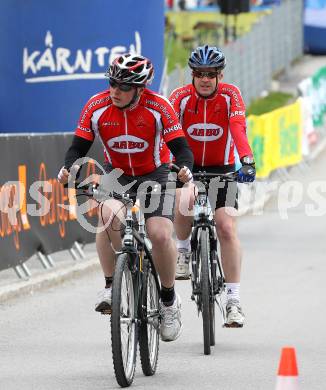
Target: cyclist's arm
[(237, 120), (84, 134), (239, 135), (174, 137), (182, 153), (79, 148)]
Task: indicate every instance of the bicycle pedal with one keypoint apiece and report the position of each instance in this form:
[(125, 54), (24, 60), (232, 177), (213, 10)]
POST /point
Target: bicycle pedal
[(106, 312), (233, 325)]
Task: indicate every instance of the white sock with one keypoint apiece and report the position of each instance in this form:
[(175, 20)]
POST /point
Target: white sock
[(233, 291), (184, 244)]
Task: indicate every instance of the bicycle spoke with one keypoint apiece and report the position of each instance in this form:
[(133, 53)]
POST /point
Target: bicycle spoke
[(149, 329), (152, 313), (126, 320)]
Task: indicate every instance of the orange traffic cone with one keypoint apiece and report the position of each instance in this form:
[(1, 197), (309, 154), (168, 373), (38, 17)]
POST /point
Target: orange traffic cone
[(287, 377)]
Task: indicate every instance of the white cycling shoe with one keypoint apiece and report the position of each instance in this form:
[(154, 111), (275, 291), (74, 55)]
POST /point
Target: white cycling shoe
[(234, 315), (182, 269), (171, 324), (104, 300)]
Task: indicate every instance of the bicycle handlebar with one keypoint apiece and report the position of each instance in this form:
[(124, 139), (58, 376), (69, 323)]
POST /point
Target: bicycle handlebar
[(92, 189), (231, 176)]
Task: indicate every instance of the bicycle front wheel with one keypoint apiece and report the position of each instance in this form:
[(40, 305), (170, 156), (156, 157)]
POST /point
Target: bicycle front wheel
[(123, 322), (149, 331), (205, 289), (214, 262), (212, 320)]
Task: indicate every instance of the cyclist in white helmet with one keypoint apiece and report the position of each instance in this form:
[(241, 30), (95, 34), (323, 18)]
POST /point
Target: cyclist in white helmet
[(138, 128)]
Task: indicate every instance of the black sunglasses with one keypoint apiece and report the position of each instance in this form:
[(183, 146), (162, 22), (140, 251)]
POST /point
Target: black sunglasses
[(201, 75), (122, 86)]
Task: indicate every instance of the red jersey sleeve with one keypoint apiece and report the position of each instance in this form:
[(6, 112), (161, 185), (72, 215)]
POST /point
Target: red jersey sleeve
[(237, 118), (177, 97), (171, 126), (84, 127)]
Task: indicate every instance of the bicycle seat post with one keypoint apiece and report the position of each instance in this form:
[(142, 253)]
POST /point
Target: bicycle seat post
[(201, 203), (141, 221), (128, 238)]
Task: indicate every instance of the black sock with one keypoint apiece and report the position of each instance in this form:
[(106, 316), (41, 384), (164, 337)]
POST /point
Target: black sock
[(108, 281), (167, 295)]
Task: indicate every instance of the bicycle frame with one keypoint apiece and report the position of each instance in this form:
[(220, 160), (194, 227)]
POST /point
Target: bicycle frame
[(133, 240), (202, 221), (134, 243)]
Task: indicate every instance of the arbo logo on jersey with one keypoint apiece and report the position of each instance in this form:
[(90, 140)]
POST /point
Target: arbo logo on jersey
[(127, 144), (205, 131)]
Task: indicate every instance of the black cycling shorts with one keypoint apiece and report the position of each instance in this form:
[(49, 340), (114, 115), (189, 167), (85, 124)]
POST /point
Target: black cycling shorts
[(152, 205), (220, 194)]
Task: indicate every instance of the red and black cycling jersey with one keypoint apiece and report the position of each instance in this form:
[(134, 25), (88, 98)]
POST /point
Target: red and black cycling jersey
[(134, 139), (213, 125)]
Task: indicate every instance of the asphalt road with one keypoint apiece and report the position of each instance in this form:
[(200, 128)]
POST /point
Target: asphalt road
[(54, 339)]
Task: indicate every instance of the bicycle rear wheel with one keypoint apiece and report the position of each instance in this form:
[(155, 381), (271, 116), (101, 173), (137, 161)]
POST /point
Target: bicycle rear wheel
[(123, 322), (218, 285), (205, 289), (149, 331)]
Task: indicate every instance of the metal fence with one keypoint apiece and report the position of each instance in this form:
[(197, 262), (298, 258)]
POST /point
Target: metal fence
[(253, 59)]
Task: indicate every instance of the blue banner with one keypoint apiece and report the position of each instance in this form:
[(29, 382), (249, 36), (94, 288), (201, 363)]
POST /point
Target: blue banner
[(315, 26), (54, 55)]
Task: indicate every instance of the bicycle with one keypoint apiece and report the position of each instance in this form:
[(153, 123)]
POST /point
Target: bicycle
[(135, 317), (207, 278)]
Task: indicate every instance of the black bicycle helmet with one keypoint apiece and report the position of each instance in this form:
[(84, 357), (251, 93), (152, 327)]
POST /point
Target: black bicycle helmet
[(131, 69), (207, 57)]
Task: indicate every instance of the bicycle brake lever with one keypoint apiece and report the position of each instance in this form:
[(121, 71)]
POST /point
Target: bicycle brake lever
[(174, 168)]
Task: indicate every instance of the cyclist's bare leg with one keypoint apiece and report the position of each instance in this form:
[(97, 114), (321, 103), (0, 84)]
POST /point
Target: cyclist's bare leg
[(230, 245), (231, 262), (182, 226), (111, 214), (164, 251), (182, 220)]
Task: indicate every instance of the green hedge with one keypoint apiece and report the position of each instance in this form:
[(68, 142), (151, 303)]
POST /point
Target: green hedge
[(269, 103)]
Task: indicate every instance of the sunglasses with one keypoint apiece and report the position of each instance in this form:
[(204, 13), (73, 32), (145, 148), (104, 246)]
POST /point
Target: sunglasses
[(201, 75), (122, 86)]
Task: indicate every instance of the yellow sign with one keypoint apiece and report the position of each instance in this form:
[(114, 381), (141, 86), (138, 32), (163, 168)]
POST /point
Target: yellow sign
[(276, 138)]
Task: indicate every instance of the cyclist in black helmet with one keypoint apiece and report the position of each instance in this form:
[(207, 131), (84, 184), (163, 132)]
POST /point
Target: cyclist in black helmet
[(212, 114)]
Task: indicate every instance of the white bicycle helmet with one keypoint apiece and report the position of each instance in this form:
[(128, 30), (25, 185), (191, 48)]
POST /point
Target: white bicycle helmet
[(131, 69)]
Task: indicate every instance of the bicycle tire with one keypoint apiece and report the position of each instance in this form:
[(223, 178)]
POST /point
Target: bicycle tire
[(212, 298), (212, 320), (123, 313), (149, 330), (205, 289)]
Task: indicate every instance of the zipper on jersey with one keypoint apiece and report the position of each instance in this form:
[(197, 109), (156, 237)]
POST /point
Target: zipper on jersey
[(204, 151), (126, 132)]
